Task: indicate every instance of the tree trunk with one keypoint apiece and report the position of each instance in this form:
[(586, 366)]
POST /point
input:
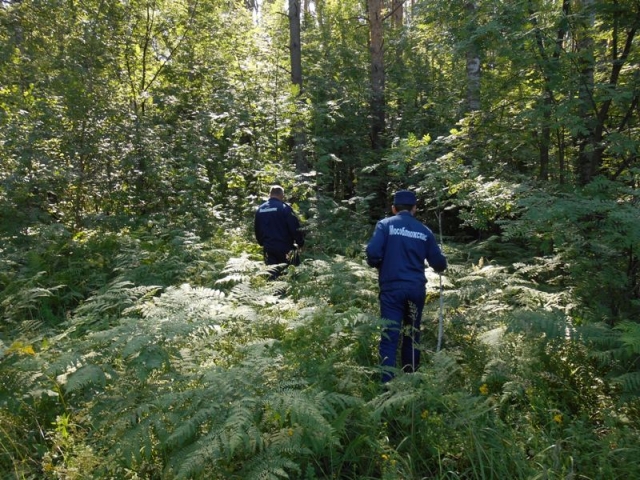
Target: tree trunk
[(397, 13), (377, 74), (377, 105), (549, 69), (473, 64), (295, 51), (473, 81), (587, 160), (592, 142)]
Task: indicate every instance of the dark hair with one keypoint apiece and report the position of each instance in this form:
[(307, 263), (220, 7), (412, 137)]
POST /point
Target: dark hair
[(276, 190), (403, 207)]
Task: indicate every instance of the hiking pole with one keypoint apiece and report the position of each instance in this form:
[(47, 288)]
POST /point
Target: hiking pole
[(441, 320)]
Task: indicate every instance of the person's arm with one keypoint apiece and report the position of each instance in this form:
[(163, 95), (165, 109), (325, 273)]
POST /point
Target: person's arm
[(299, 235), (257, 230), (375, 247), (434, 255), (293, 225)]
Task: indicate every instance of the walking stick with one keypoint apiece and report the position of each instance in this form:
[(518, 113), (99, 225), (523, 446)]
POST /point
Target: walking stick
[(441, 320)]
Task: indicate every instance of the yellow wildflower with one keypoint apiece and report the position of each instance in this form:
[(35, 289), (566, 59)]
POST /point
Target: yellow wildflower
[(557, 418), (484, 389), (21, 349)]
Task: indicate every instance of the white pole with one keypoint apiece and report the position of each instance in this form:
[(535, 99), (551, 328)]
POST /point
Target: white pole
[(441, 320)]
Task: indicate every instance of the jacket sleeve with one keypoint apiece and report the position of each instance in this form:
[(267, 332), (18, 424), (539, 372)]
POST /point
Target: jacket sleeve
[(293, 224), (257, 230), (435, 257), (376, 246)]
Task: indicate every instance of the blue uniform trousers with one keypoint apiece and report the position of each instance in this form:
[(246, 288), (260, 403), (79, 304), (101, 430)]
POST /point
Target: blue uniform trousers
[(280, 258), (401, 309)]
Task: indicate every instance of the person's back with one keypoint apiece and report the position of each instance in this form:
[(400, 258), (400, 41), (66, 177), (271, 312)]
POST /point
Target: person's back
[(402, 248), (398, 248), (277, 229)]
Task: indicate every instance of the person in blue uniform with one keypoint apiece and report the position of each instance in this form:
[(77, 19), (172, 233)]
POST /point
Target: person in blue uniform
[(277, 230), (398, 248)]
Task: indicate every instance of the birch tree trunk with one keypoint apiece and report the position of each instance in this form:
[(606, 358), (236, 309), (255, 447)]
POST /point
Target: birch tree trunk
[(473, 65)]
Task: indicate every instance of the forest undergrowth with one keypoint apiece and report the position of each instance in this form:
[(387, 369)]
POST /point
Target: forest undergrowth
[(151, 353)]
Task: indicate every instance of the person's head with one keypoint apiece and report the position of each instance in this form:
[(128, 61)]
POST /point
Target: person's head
[(276, 192), (404, 200)]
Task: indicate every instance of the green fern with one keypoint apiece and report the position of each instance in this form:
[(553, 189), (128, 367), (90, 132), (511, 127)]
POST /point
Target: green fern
[(630, 383), (551, 324), (26, 301), (240, 270), (276, 462), (85, 376), (243, 378), (630, 338), (618, 349), (103, 308)]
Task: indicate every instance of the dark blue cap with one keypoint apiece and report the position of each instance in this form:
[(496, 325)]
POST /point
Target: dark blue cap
[(404, 197)]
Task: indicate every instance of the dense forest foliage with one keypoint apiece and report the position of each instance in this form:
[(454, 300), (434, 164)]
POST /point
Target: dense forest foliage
[(140, 337)]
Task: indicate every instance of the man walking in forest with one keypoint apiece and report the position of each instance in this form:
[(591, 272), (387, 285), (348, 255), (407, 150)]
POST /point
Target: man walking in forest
[(398, 249), (278, 231)]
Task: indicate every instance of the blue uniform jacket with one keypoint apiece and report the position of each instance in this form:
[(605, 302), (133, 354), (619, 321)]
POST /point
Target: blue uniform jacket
[(399, 247), (277, 227)]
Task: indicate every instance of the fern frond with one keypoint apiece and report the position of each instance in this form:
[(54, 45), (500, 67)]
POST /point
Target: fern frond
[(26, 301), (630, 337), (198, 458), (242, 264), (29, 328), (102, 308), (240, 431), (272, 464), (445, 367), (552, 324), (301, 408), (244, 293), (483, 273), (239, 270), (601, 336), (85, 376), (188, 428), (630, 383), (391, 401)]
